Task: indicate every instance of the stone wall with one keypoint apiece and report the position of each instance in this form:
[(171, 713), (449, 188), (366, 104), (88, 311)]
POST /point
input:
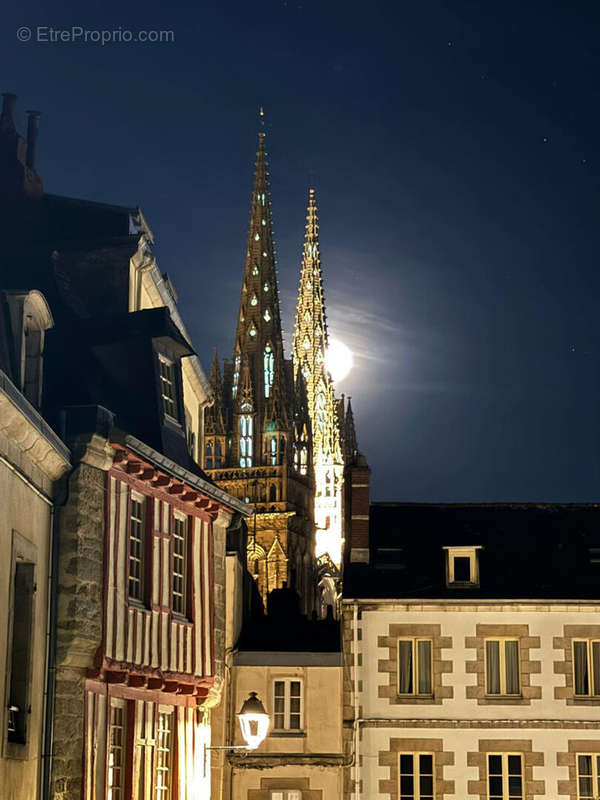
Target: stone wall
[(79, 632)]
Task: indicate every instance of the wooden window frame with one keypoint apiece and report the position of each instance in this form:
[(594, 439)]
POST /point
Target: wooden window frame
[(414, 640), (287, 681), (595, 775), (502, 665), (121, 791), (505, 774), (183, 612), (169, 379), (286, 794), (472, 553), (593, 690), (143, 500), (416, 772), (157, 792)]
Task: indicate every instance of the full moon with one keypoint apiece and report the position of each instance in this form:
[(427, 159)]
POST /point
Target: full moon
[(338, 360)]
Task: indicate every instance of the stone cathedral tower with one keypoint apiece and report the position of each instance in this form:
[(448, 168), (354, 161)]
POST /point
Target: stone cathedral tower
[(309, 350), (257, 433)]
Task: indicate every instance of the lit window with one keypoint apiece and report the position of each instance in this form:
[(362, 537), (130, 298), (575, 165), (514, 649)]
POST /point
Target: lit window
[(116, 753), (462, 566), (321, 413), (179, 565), (246, 434), (263, 222), (505, 776), (415, 776), (273, 451), (305, 372), (236, 376), (586, 667), (262, 199), (267, 315), (269, 367), (136, 548), (414, 666), (287, 705), (168, 388), (308, 285), (307, 316), (254, 301), (306, 343), (252, 332), (303, 459), (164, 756), (256, 237), (502, 666), (255, 268), (588, 777), (266, 287), (264, 253)]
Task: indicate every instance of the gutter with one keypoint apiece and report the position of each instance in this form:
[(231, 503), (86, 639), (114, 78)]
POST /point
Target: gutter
[(207, 488)]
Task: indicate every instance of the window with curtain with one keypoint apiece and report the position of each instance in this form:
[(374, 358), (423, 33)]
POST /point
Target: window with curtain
[(586, 667), (136, 547), (502, 666), (287, 705), (415, 776), (588, 777), (116, 751), (414, 666), (505, 776)]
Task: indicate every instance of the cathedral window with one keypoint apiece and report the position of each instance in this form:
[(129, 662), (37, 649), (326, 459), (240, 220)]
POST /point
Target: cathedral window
[(306, 343), (307, 316), (296, 457), (308, 285), (218, 455), (269, 368), (305, 371), (236, 376), (209, 455), (303, 459), (246, 436), (264, 253), (328, 484), (254, 301), (256, 237), (273, 494), (273, 451), (255, 268), (262, 199), (263, 222), (266, 287), (267, 315), (252, 332)]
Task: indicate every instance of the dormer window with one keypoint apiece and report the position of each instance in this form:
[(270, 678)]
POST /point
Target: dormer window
[(462, 566), (168, 388)]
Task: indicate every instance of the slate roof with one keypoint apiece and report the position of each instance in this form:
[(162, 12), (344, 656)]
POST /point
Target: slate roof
[(529, 550)]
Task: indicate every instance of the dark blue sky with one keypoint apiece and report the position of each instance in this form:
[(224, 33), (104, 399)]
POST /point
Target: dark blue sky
[(454, 150)]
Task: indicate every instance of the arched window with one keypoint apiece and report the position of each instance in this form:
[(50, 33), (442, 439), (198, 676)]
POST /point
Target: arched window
[(273, 451), (236, 376), (269, 368), (209, 455), (303, 459), (328, 485), (246, 436), (273, 494), (218, 455), (281, 449), (296, 451)]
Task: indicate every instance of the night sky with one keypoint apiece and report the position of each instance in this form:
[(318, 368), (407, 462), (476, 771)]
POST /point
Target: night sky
[(454, 150)]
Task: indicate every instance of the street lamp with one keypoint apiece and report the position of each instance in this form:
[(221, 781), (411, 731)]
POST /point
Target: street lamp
[(254, 722)]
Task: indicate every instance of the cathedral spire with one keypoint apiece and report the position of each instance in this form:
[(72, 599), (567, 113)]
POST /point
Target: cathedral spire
[(213, 416), (350, 443), (258, 335)]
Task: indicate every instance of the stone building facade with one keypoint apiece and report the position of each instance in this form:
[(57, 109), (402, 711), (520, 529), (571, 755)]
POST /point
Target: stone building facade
[(471, 663)]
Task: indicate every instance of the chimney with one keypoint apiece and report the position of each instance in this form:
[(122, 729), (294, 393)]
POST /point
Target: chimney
[(358, 479), (7, 118), (33, 124)]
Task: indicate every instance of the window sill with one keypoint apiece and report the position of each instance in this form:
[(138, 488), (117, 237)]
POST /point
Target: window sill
[(181, 619), (288, 734), (138, 605), (592, 699), (503, 697)]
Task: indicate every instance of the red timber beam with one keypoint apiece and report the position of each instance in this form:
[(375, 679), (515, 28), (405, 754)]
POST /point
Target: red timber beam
[(145, 477)]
